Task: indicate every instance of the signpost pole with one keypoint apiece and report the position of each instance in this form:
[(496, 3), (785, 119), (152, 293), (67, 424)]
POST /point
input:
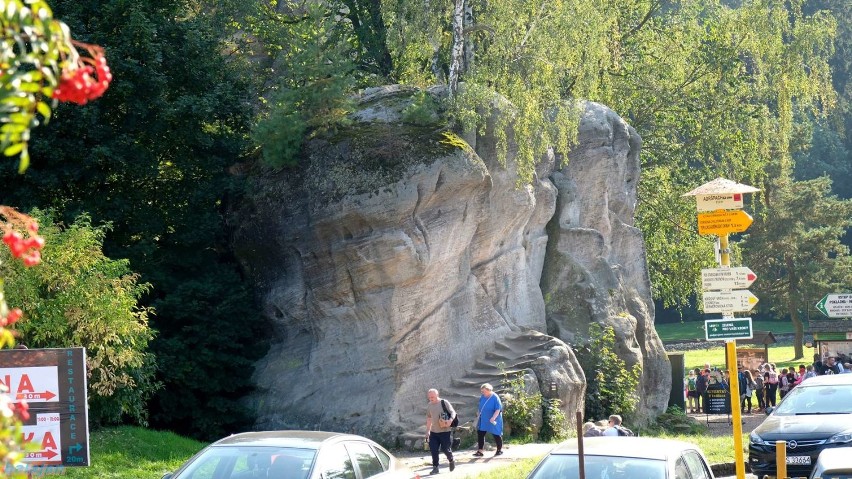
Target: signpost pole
[(719, 205), (733, 375)]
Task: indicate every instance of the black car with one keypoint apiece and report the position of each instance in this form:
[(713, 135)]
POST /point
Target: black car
[(815, 415)]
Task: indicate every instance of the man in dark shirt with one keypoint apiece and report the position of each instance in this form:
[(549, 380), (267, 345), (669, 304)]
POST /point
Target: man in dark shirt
[(701, 389)]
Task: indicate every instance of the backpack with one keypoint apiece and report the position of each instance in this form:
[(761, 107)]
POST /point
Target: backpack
[(623, 431), (455, 422), (773, 377)]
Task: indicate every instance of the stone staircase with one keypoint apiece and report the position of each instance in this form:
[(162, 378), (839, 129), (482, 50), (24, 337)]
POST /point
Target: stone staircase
[(514, 353)]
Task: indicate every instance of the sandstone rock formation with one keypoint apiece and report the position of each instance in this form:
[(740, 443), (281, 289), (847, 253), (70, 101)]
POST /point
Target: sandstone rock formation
[(596, 268), (400, 258)]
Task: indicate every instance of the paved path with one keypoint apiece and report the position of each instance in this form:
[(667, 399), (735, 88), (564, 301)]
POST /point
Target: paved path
[(467, 465)]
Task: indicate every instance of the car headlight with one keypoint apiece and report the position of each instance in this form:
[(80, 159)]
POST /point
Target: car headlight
[(755, 439), (841, 438)]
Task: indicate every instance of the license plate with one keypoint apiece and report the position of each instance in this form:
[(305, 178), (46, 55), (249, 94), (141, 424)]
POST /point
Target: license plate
[(799, 460)]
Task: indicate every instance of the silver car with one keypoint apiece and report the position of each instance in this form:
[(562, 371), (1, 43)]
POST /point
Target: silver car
[(293, 455), (617, 457), (833, 464)]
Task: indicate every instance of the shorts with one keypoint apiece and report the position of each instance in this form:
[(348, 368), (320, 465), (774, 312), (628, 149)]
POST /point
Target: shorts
[(692, 394)]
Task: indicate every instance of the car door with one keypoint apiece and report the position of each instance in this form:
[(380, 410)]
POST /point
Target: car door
[(335, 463), (698, 468), (367, 464)]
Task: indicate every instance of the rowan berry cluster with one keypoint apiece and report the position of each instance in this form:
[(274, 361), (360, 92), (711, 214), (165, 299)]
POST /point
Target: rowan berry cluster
[(86, 79), (27, 249), (11, 318)]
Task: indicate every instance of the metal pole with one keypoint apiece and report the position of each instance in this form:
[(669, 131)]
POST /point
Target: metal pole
[(733, 375), (580, 456)]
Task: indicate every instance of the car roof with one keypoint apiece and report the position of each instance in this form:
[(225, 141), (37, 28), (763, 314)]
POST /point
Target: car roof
[(827, 379), (297, 439), (625, 446), (835, 458)]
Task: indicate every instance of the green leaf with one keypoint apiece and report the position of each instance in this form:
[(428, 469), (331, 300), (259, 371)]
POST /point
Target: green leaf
[(13, 149), (44, 110), (25, 160)]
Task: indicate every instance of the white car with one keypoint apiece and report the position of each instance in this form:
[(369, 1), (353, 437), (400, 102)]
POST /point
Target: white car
[(618, 457), (293, 455), (833, 464)]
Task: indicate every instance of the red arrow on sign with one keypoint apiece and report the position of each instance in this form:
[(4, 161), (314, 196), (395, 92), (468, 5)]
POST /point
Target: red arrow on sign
[(45, 396), (48, 454)]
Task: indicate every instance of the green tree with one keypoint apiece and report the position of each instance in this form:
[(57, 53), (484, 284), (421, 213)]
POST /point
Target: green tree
[(795, 247), (711, 88), (151, 158), (79, 297)]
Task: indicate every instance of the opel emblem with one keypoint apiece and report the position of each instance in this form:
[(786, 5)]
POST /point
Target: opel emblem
[(792, 444)]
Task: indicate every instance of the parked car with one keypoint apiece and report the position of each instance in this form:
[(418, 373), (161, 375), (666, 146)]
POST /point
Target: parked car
[(833, 463), (293, 455), (814, 416), (618, 457)]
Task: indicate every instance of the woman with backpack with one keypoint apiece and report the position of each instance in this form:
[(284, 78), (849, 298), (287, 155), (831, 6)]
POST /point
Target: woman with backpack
[(770, 381)]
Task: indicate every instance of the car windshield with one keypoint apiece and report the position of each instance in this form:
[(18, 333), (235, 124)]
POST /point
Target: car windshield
[(828, 399), (249, 462), (560, 466)]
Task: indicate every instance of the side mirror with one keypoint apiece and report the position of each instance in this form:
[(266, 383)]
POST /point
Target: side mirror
[(769, 410), (168, 475)]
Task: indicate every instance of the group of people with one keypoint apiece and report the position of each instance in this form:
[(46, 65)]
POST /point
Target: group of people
[(439, 430), (603, 427), (766, 384)]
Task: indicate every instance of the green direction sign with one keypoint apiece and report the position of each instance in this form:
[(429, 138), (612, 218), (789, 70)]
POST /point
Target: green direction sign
[(728, 328), (836, 305)]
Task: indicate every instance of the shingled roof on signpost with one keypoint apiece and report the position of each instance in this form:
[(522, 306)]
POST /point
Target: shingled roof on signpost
[(721, 185)]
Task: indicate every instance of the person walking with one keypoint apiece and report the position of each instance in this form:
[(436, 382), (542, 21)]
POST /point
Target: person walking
[(438, 428), (489, 419)]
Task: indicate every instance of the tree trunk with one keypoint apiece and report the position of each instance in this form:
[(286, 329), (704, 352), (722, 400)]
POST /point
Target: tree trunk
[(458, 47), (793, 308), (468, 44)]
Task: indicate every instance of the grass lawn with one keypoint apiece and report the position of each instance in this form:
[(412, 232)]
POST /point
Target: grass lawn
[(134, 453)]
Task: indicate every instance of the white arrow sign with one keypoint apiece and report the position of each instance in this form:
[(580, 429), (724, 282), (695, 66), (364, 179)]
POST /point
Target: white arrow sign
[(719, 201), (727, 278), (836, 305), (737, 301)]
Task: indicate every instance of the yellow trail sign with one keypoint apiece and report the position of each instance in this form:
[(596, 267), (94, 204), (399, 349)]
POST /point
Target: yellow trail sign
[(722, 222)]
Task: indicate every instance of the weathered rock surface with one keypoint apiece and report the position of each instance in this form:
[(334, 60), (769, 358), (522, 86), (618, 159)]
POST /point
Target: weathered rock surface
[(399, 258), (596, 265)]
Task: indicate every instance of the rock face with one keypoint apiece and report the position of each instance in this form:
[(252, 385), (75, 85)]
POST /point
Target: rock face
[(399, 259), (596, 267)]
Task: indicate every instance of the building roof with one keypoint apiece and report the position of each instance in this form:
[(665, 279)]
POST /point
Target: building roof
[(830, 325), (759, 337)]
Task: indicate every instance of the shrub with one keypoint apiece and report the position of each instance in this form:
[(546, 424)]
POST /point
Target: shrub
[(610, 385), (554, 424)]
